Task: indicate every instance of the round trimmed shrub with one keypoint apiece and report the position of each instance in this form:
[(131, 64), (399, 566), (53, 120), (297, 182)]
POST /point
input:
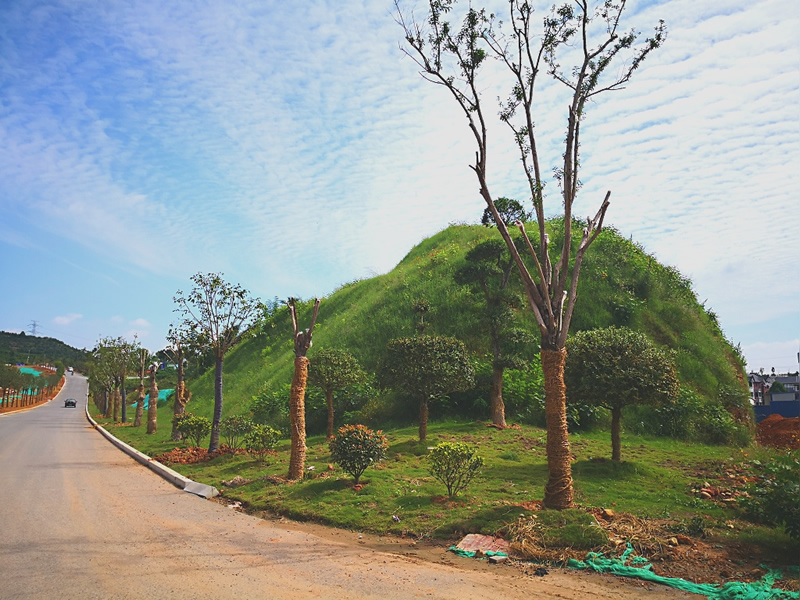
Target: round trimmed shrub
[(455, 464), (356, 447)]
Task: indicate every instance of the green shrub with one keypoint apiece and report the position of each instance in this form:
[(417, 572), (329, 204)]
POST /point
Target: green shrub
[(260, 441), (454, 464), (192, 427), (772, 499), (356, 447), (234, 429)]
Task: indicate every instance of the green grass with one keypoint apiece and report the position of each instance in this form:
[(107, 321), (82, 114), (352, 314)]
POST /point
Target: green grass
[(654, 481)]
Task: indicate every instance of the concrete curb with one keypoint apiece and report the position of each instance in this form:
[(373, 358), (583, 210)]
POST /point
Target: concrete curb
[(175, 478)]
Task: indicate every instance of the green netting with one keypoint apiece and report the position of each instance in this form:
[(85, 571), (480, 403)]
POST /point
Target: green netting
[(471, 554), (760, 590)]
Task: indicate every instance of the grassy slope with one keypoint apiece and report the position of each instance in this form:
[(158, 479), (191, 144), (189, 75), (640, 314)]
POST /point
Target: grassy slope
[(620, 285)]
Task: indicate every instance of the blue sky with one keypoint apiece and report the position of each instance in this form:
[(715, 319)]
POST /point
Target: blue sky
[(293, 147)]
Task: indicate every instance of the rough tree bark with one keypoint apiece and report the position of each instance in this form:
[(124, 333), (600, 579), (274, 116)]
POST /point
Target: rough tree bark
[(297, 407), (152, 405)]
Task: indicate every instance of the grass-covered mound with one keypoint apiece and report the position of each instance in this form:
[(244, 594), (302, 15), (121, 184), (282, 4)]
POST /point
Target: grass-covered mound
[(620, 285)]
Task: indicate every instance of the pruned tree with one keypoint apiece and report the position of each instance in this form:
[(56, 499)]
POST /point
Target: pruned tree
[(218, 313), (488, 271), (142, 362), (617, 367), (179, 338), (426, 368), (152, 403), (297, 395), (332, 370), (605, 59)]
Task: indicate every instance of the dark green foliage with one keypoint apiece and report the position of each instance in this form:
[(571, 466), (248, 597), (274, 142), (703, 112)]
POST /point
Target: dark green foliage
[(192, 427), (510, 211), (773, 497), (334, 369), (427, 366), (260, 441), (690, 417), (21, 348), (618, 367), (356, 447), (454, 464), (269, 407), (234, 429)]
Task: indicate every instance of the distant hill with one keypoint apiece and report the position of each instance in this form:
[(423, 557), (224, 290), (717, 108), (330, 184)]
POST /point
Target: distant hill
[(620, 285), (21, 348)]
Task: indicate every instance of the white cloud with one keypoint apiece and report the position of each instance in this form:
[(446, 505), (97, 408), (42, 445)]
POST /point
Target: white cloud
[(67, 319)]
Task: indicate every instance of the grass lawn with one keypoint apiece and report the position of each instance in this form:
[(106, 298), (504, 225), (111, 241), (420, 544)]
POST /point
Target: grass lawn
[(655, 480)]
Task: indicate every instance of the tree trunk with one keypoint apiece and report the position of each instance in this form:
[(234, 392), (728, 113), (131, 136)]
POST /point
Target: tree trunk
[(423, 420), (137, 421), (106, 405), (329, 398), (179, 406), (115, 400), (558, 491), (496, 404), (297, 418), (213, 445), (124, 403), (152, 405), (616, 418)]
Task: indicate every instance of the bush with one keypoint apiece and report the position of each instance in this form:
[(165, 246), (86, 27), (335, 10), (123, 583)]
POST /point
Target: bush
[(454, 464), (192, 427), (772, 499), (260, 441), (234, 429), (356, 447)]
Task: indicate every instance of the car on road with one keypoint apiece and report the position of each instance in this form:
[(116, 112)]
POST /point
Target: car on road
[(70, 403)]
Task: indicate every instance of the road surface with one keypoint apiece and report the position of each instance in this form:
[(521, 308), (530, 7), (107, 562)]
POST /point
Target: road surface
[(81, 519)]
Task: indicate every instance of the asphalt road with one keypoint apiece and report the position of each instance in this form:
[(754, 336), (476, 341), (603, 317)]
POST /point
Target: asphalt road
[(81, 519)]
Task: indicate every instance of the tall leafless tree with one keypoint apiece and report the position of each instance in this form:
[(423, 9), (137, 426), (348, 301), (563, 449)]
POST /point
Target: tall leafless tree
[(297, 396), (453, 58)]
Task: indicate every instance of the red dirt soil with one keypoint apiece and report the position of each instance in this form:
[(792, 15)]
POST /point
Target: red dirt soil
[(779, 432)]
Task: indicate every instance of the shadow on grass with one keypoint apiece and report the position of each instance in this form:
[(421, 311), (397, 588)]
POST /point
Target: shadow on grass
[(489, 521), (606, 469)]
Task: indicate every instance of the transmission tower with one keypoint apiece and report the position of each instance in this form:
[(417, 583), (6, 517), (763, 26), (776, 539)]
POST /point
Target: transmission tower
[(33, 326)]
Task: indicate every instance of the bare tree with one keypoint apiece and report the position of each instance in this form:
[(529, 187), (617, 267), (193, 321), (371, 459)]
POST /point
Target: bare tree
[(218, 314), (297, 396), (453, 57)]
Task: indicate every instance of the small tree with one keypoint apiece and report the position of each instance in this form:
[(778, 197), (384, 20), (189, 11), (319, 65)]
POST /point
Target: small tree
[(217, 314), (488, 271), (179, 338), (426, 368), (455, 464), (617, 367), (297, 395), (510, 212), (355, 447), (331, 370)]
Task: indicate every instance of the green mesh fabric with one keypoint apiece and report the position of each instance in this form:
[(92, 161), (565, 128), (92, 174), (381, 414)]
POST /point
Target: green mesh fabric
[(637, 566)]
